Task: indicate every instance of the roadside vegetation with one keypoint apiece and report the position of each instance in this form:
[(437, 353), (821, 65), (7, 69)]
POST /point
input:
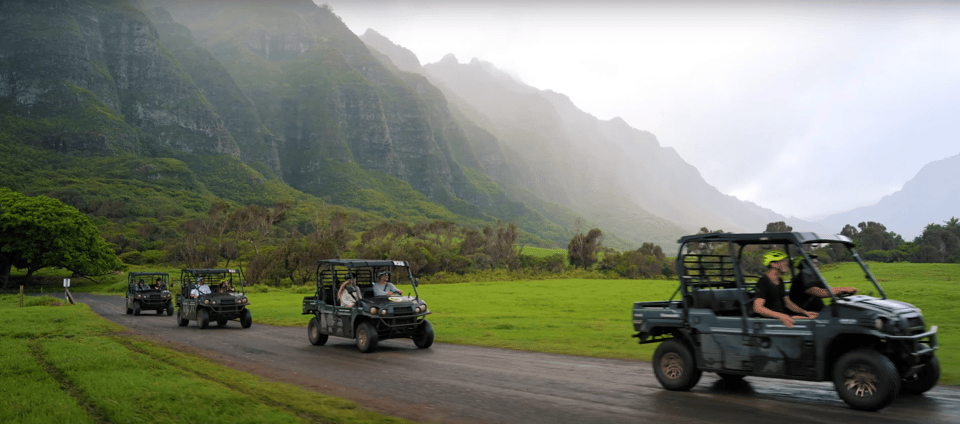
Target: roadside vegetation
[(66, 364)]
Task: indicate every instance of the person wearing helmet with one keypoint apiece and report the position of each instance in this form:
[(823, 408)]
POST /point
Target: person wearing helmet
[(806, 290), (772, 300), (384, 287)]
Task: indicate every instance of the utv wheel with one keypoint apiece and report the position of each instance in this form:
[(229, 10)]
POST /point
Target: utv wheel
[(425, 338), (136, 308), (866, 380), (203, 318), (129, 311), (926, 379), (366, 337), (313, 332), (221, 322), (674, 366), (246, 319), (169, 308), (160, 311), (181, 320)]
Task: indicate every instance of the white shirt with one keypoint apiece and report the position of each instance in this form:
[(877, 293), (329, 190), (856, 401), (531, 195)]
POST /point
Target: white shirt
[(202, 289)]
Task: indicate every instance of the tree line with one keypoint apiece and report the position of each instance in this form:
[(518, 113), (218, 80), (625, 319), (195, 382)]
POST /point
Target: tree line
[(39, 232)]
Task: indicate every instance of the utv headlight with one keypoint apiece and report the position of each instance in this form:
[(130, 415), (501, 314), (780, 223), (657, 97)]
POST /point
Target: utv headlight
[(383, 312), (206, 301), (373, 309)]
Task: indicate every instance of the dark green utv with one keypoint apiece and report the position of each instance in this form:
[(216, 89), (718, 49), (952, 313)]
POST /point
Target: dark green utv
[(367, 317), (871, 348), (221, 301), (149, 291)]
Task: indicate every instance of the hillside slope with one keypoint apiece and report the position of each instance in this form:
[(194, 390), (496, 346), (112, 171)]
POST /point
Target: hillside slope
[(930, 197)]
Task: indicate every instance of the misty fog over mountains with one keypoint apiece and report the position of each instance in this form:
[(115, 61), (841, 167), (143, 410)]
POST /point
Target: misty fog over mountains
[(291, 96)]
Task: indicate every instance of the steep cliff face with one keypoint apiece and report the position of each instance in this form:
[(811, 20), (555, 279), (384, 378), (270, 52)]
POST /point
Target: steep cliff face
[(238, 113), (329, 100), (88, 76)]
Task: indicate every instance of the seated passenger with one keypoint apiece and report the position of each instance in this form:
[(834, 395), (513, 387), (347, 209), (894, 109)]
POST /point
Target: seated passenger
[(141, 286), (349, 293), (806, 288), (772, 300), (225, 287), (383, 287)]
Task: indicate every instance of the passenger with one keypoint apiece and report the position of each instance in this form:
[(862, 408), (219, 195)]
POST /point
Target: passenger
[(202, 288), (384, 287), (772, 300), (141, 286), (349, 293), (806, 290), (225, 287)]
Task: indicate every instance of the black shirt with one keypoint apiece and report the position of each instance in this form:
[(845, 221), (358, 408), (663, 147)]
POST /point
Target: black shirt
[(772, 294), (806, 279)]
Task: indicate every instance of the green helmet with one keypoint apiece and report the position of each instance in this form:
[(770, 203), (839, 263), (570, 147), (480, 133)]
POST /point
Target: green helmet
[(773, 256)]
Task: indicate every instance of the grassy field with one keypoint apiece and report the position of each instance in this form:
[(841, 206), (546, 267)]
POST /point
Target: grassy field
[(592, 317), (66, 364)]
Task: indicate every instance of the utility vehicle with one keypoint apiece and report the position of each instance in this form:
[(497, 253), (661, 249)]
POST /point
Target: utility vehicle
[(225, 301), (149, 291), (371, 318), (871, 348)]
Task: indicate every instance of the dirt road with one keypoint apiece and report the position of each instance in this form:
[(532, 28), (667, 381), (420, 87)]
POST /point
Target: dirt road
[(460, 384)]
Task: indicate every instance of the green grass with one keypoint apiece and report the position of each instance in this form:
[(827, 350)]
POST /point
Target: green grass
[(590, 317), (66, 364)]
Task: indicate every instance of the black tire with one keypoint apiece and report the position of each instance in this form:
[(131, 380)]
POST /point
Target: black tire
[(136, 308), (129, 311), (181, 321), (367, 337), (160, 311), (169, 309), (425, 338), (246, 319), (203, 318), (221, 322), (313, 333), (866, 380), (926, 379), (674, 366)]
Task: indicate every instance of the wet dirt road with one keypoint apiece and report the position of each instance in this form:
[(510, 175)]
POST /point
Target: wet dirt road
[(460, 384)]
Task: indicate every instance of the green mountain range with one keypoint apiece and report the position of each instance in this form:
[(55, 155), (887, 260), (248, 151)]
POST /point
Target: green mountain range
[(150, 112)]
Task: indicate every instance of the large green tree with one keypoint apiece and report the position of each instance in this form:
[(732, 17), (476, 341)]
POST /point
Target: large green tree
[(40, 232)]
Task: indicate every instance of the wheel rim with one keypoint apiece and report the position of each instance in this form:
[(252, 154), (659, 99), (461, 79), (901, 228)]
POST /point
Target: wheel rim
[(672, 365), (362, 338), (861, 381), (314, 332)]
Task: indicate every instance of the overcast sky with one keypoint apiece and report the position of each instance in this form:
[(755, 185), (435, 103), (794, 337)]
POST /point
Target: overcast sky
[(806, 109)]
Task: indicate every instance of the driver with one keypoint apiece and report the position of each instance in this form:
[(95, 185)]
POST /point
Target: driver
[(158, 285), (202, 288), (384, 287), (806, 289)]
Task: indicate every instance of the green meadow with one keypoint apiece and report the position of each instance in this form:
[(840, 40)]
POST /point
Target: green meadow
[(64, 363)]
